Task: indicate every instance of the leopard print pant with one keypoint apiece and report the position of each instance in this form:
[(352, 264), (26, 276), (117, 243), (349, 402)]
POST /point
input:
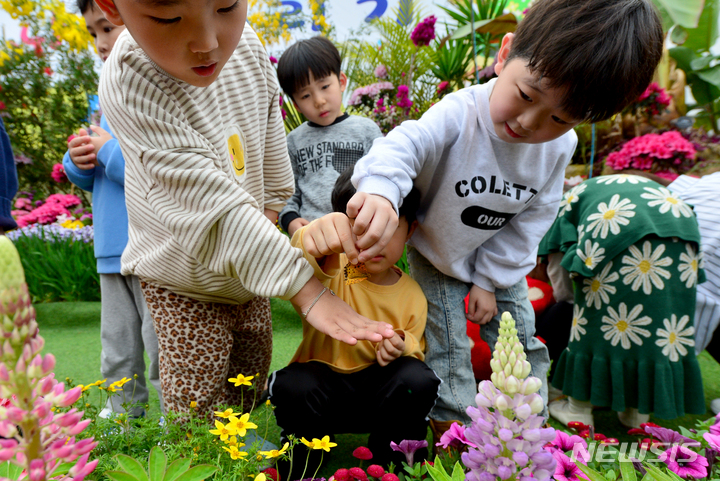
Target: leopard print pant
[(202, 344)]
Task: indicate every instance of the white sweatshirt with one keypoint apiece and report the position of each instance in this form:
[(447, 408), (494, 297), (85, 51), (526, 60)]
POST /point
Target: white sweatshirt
[(485, 203)]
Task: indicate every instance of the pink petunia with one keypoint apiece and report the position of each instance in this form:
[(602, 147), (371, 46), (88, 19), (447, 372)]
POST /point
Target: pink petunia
[(566, 469), (685, 462), (58, 174), (454, 437)]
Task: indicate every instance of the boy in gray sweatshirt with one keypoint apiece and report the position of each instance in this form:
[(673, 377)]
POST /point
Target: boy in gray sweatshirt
[(330, 141)]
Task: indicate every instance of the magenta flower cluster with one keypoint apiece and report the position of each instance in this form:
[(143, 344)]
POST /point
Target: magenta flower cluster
[(665, 151), (403, 100), (45, 212), (424, 32), (653, 101)]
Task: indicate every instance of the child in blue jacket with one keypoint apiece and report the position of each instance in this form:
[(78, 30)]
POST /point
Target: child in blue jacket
[(96, 164)]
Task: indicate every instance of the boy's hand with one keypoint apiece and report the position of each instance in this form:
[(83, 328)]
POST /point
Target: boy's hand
[(330, 234), (375, 223), (82, 151), (102, 137), (390, 349), (332, 316), (296, 224), (482, 306)]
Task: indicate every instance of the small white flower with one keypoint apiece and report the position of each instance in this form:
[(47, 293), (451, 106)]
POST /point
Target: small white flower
[(592, 255), (688, 267), (580, 232), (623, 327), (673, 337), (578, 322), (645, 268), (598, 288), (668, 201), (611, 216), (621, 179), (572, 196)]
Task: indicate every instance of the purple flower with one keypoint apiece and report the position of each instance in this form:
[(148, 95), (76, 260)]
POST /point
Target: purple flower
[(408, 448), (666, 435), (424, 32), (713, 440), (566, 469), (692, 463), (715, 428), (273, 59), (566, 442), (454, 437)]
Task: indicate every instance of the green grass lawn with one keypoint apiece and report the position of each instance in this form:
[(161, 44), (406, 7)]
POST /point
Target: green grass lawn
[(72, 333)]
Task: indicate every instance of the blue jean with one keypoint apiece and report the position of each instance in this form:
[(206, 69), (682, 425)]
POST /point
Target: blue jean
[(448, 345)]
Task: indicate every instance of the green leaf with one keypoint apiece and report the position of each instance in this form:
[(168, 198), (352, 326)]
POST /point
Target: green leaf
[(683, 12), (678, 35), (711, 75), (701, 38), (589, 472), (176, 468), (458, 473), (684, 57), (627, 470), (119, 476), (157, 464), (132, 466), (656, 473), (60, 470), (197, 473), (10, 470), (502, 24)]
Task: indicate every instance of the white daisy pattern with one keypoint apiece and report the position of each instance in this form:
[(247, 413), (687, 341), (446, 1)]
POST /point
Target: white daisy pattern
[(623, 327), (621, 179), (668, 202), (577, 329), (675, 337), (688, 266), (572, 196), (592, 255), (646, 268), (611, 216), (597, 289), (580, 232)]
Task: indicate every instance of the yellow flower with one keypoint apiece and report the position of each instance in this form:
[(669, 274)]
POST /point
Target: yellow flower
[(193, 404), (72, 224), (241, 380), (234, 453), (223, 431), (323, 443), (260, 477), (224, 414), (242, 424), (307, 443), (232, 441), (118, 384), (274, 453)]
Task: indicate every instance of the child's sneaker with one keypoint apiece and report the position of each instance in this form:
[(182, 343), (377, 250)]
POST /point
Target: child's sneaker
[(715, 406), (631, 418)]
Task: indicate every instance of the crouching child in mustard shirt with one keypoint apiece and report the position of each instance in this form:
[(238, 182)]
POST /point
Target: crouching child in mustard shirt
[(382, 388)]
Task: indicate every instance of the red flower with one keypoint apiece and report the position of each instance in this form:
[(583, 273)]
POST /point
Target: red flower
[(647, 442), (584, 433), (390, 477), (2, 105), (272, 473), (342, 474), (652, 425), (58, 174), (578, 426), (609, 441), (375, 471), (637, 432), (357, 473), (48, 71), (362, 453), (600, 437)]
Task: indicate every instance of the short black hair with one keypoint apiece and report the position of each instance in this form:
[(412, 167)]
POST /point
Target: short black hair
[(317, 55), (344, 190), (601, 53), (85, 5)]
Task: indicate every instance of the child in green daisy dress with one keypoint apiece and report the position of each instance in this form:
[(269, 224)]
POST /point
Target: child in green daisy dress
[(632, 249)]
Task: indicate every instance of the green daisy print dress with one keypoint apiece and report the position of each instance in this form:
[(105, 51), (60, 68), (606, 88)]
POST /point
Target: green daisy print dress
[(632, 248)]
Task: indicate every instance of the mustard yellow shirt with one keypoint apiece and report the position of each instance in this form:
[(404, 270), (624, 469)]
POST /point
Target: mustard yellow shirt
[(403, 305)]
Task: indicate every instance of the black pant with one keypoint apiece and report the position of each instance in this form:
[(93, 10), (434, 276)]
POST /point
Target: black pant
[(554, 326), (391, 403), (713, 348)]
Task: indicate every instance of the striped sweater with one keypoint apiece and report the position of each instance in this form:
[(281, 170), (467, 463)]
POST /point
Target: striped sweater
[(201, 164)]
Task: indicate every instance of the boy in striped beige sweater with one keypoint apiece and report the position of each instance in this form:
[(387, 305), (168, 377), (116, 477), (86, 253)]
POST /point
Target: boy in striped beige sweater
[(191, 95)]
